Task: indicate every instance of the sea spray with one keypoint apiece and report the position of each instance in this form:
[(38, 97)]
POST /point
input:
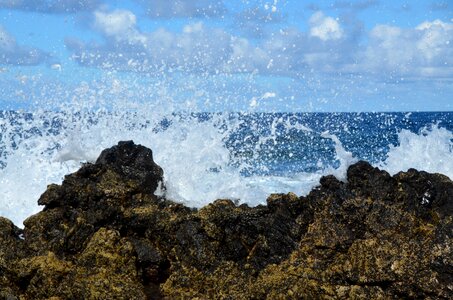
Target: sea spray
[(430, 150), (205, 156)]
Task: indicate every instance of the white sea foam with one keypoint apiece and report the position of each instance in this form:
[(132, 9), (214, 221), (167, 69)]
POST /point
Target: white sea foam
[(193, 154), (430, 150), (196, 163), (345, 158)]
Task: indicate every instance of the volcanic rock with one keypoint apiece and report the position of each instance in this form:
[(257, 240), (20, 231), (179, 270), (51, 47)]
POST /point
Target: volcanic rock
[(103, 234), (134, 162)]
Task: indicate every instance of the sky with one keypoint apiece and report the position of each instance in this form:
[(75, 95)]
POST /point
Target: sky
[(270, 55)]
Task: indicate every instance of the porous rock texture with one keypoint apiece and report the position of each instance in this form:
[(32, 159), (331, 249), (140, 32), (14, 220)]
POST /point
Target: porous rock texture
[(103, 234)]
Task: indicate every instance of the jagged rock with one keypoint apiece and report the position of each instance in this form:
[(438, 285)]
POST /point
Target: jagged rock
[(134, 162), (11, 247), (103, 234)]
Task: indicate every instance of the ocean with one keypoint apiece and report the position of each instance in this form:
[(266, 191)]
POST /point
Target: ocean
[(206, 156)]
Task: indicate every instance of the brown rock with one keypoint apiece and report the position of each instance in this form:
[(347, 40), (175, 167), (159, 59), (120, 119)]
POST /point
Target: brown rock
[(103, 234)]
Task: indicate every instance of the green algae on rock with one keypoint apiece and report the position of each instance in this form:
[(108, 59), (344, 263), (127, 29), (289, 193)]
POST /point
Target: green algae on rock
[(103, 234)]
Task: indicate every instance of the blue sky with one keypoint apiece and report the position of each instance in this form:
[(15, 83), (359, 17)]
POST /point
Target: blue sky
[(286, 55)]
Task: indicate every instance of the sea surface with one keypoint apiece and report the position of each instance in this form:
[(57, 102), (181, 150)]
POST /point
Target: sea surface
[(206, 156)]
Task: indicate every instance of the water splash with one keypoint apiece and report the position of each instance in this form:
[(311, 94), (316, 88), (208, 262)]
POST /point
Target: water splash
[(430, 150), (205, 156)]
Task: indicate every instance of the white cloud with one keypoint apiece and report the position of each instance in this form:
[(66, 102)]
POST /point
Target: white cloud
[(324, 27), (120, 25), (435, 40), (196, 48), (118, 22), (389, 48), (246, 57), (425, 50), (328, 46), (386, 33), (13, 54), (435, 24)]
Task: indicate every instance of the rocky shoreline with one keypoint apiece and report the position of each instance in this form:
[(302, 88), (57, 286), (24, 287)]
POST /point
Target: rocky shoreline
[(103, 234)]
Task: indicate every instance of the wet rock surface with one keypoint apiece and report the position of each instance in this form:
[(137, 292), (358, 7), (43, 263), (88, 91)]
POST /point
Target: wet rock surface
[(103, 234)]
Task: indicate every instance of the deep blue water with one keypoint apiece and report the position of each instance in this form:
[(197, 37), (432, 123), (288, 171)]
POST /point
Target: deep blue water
[(368, 136)]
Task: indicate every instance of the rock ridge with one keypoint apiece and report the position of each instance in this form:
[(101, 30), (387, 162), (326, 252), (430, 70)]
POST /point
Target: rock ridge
[(103, 234)]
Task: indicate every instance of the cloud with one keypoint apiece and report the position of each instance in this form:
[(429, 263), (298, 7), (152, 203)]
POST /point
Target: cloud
[(328, 46), (195, 49), (434, 42), (198, 48), (426, 50), (325, 28), (49, 6), (120, 25), (183, 8), (13, 54)]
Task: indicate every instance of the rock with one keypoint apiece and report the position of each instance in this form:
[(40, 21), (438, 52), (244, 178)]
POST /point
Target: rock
[(103, 234), (11, 246), (134, 162), (104, 270), (365, 180)]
